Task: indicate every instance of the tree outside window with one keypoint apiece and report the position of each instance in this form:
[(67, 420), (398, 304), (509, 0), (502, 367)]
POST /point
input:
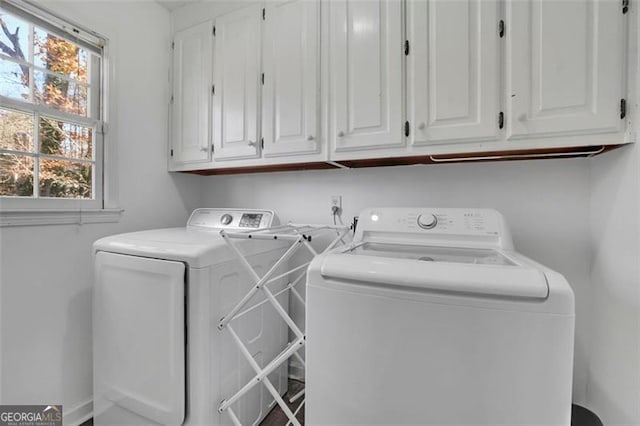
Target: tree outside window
[(50, 88)]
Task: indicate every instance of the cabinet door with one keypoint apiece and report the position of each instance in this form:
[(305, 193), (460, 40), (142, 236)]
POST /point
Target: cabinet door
[(237, 84), (290, 92), (453, 70), (565, 67), (366, 59), (190, 137)]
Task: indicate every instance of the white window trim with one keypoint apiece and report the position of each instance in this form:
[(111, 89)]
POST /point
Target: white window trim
[(39, 217), (104, 207)]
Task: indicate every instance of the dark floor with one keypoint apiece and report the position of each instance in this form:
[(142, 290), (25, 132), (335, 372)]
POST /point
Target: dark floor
[(579, 416), (277, 417)]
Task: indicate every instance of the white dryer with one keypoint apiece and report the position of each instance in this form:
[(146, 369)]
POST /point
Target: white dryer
[(431, 317), (159, 357)]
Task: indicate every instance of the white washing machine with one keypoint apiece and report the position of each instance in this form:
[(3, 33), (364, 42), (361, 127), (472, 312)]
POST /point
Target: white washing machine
[(431, 317), (159, 357)]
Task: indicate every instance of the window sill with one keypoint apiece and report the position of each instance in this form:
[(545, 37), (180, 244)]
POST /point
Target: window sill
[(58, 217)]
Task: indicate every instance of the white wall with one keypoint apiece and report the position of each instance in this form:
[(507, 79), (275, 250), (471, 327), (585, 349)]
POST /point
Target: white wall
[(545, 202), (46, 271), (613, 387)]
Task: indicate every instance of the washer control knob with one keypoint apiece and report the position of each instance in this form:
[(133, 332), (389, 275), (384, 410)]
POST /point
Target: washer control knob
[(427, 221), (226, 219)]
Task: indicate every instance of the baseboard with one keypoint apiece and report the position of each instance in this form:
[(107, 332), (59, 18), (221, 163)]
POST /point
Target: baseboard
[(79, 414)]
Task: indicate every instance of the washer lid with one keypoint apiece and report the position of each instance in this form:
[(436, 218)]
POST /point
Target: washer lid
[(432, 253), (463, 270)]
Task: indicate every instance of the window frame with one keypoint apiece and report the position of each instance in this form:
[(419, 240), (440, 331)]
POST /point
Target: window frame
[(10, 206)]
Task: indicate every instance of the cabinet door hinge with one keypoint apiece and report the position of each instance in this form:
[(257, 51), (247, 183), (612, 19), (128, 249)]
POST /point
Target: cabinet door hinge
[(171, 100), (214, 30), (623, 108), (264, 14), (406, 128), (406, 48), (625, 6), (213, 89), (171, 153), (261, 143), (104, 128), (501, 120), (262, 78), (173, 45), (501, 28)]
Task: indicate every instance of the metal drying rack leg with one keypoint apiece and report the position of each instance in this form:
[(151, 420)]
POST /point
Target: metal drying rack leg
[(300, 237)]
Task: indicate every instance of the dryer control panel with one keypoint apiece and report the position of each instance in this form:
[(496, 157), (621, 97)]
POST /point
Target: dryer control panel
[(446, 225), (231, 219)]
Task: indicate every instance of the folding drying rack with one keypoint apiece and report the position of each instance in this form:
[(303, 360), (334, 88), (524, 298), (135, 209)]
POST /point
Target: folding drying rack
[(299, 236)]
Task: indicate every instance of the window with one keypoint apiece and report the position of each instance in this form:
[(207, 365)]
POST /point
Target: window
[(51, 110)]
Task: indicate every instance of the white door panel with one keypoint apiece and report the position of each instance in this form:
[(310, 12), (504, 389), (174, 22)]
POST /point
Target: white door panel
[(367, 65), (453, 72), (139, 341), (237, 84), (566, 67), (290, 91), (192, 51)]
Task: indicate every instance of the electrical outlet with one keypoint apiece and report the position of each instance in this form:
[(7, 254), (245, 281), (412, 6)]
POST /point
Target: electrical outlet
[(336, 204)]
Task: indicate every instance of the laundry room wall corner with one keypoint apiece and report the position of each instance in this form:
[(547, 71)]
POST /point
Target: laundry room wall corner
[(613, 386)]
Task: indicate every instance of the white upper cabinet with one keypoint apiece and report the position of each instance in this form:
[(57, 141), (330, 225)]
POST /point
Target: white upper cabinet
[(366, 57), (190, 137), (342, 82), (236, 114), (453, 73), (290, 93), (566, 70)]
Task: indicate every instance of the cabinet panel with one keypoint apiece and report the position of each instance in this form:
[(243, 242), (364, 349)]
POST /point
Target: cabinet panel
[(290, 91), (367, 65), (565, 67), (453, 70), (237, 84), (190, 137)]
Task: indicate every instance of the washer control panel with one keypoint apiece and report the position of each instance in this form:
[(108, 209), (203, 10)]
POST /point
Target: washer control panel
[(251, 220), (435, 224), (231, 218)]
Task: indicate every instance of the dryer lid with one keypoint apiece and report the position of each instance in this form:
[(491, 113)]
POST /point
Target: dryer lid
[(198, 244)]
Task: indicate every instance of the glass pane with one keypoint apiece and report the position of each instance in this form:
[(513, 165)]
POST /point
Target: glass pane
[(16, 175), (65, 179), (18, 43), (65, 139), (14, 80), (59, 55), (16, 130), (60, 93)]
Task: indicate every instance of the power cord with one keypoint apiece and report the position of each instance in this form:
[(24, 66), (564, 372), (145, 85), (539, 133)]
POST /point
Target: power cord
[(335, 212)]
